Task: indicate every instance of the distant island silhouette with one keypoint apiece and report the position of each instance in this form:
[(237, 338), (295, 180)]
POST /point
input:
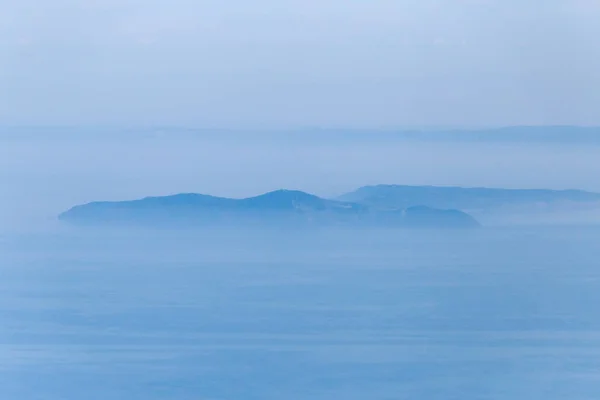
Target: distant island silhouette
[(462, 198), (379, 205), (280, 207)]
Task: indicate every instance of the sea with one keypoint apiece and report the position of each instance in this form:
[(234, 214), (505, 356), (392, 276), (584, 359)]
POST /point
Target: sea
[(325, 314)]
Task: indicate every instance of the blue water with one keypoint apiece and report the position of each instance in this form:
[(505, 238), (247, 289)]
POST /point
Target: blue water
[(369, 315)]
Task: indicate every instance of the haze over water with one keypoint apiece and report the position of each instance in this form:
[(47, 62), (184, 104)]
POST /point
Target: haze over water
[(123, 99), (377, 314), (498, 313), (46, 171)]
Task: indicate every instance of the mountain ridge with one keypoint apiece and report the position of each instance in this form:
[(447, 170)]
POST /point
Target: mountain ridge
[(464, 198), (279, 206)]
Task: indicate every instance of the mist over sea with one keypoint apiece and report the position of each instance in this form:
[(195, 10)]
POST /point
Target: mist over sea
[(45, 171), (508, 311), (299, 200), (234, 314)]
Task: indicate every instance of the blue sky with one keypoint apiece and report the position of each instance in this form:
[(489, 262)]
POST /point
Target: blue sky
[(288, 63)]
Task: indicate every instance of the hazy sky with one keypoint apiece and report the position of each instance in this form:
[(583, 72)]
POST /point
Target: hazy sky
[(296, 63)]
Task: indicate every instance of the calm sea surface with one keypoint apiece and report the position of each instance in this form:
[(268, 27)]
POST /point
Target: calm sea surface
[(235, 315)]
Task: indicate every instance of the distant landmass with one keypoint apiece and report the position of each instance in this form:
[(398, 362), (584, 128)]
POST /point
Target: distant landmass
[(281, 207), (385, 197), (582, 135)]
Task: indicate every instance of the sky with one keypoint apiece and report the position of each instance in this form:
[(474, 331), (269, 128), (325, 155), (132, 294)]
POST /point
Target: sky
[(294, 64)]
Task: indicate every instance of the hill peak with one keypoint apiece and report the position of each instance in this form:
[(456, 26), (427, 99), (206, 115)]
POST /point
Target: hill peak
[(288, 193)]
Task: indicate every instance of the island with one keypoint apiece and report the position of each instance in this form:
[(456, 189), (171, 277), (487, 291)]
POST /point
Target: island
[(463, 198), (490, 206), (280, 207)]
